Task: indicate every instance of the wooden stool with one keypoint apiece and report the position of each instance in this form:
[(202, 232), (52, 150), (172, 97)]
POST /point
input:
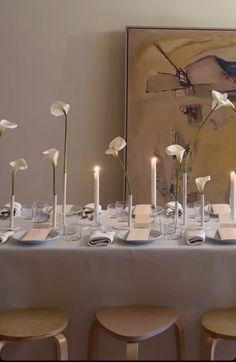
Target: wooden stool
[(34, 324), (134, 324), (218, 324)]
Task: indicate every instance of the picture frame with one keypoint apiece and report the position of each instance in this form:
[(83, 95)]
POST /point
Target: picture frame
[(170, 73)]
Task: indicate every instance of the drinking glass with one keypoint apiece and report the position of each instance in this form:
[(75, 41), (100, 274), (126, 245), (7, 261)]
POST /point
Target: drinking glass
[(39, 214), (71, 231), (122, 211), (27, 212), (111, 211), (207, 210), (168, 226)]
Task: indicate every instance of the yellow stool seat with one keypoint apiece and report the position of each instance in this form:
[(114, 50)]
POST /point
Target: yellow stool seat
[(133, 324), (29, 324)]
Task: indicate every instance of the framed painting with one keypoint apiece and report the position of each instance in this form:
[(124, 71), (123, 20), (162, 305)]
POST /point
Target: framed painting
[(170, 73)]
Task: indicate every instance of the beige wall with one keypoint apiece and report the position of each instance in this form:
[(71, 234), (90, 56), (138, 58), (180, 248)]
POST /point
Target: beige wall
[(73, 50)]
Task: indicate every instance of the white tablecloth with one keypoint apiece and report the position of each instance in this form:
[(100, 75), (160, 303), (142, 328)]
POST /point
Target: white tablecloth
[(79, 280)]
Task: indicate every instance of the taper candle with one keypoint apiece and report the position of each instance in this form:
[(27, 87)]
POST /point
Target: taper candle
[(153, 181), (96, 193)]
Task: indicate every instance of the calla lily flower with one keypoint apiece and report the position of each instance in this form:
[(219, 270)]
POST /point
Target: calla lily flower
[(4, 124), (220, 100), (18, 165), (115, 145), (52, 154), (59, 108), (176, 150), (200, 183)]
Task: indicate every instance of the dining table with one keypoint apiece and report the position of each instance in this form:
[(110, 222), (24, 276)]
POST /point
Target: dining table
[(79, 280)]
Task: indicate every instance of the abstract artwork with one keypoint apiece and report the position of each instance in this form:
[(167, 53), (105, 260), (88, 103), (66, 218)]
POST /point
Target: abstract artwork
[(170, 73)]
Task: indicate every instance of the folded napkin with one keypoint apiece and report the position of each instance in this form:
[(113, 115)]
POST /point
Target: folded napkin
[(88, 211), (195, 237), (5, 235), (7, 208), (170, 208), (101, 238)]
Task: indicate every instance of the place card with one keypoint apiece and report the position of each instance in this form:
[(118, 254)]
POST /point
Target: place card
[(142, 209), (138, 234), (221, 209), (142, 220), (36, 234), (227, 233)]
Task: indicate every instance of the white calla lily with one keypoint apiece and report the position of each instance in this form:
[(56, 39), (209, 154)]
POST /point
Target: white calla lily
[(52, 154), (220, 100), (200, 183), (59, 108), (115, 145), (19, 164), (4, 124), (177, 151)]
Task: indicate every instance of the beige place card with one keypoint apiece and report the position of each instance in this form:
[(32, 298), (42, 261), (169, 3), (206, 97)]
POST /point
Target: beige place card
[(143, 218), (220, 209), (36, 234), (225, 219), (227, 233), (138, 234), (142, 209)]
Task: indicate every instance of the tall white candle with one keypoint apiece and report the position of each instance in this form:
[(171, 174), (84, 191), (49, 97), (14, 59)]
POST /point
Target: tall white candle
[(153, 181), (233, 192), (96, 192)]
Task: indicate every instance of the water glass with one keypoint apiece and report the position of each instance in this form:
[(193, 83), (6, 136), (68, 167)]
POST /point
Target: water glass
[(122, 211), (27, 212), (71, 231), (111, 211), (168, 226), (39, 214), (207, 210)]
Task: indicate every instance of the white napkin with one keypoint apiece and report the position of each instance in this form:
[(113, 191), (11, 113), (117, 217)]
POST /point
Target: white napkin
[(101, 238), (170, 208), (17, 208), (88, 210), (195, 237), (4, 236)]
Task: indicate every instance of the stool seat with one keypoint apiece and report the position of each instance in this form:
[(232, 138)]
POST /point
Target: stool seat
[(28, 324), (133, 324), (136, 323), (218, 324)]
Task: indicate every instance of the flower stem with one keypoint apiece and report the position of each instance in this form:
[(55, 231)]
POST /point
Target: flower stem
[(125, 172), (13, 182), (195, 138), (54, 178), (177, 181), (65, 144)]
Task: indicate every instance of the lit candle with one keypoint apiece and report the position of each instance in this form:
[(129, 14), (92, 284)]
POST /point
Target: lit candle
[(153, 181), (233, 192), (96, 193)]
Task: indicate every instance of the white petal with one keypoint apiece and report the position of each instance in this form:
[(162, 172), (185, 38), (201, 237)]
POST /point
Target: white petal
[(4, 123), (52, 154), (220, 100), (201, 181), (115, 145), (176, 150), (19, 164), (58, 108), (109, 152)]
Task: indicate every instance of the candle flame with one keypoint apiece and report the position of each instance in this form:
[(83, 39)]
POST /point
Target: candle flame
[(96, 169)]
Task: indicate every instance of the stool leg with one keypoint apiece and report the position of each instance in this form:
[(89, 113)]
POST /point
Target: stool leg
[(179, 337), (209, 348), (132, 351), (2, 344), (93, 341), (62, 349)]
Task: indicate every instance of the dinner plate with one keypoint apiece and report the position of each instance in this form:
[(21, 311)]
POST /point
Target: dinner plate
[(154, 235), (53, 235), (214, 236)]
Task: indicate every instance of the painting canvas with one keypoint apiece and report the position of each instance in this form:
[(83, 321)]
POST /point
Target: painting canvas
[(170, 73)]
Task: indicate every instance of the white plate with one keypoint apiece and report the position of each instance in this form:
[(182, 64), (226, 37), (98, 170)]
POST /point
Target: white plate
[(213, 236), (53, 235), (154, 235)]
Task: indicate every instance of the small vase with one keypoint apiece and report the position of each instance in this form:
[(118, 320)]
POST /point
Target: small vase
[(12, 212), (184, 189), (202, 200), (55, 211), (130, 202)]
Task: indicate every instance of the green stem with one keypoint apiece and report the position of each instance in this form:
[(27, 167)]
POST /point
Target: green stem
[(54, 178), (177, 181), (65, 144), (126, 175), (195, 138), (13, 182)]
